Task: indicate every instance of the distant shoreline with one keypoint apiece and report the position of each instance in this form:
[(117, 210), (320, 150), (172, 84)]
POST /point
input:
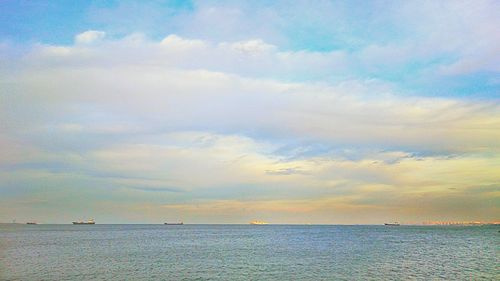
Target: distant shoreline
[(270, 224)]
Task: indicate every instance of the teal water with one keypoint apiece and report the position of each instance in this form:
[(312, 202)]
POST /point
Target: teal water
[(246, 252)]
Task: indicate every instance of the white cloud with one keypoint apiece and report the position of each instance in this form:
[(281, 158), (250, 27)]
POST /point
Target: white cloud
[(176, 42), (184, 84), (252, 47), (253, 58), (205, 121), (89, 37)]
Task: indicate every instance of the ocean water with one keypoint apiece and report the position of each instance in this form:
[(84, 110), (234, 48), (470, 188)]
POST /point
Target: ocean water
[(248, 252)]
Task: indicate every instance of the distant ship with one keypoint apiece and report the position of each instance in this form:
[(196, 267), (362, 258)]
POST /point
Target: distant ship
[(392, 224), (32, 222), (258, 222), (174, 223), (91, 221)]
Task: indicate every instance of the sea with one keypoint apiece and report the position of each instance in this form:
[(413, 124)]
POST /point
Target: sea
[(248, 252)]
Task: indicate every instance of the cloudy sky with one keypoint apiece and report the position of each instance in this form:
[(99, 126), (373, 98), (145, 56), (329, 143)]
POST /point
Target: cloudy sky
[(227, 111)]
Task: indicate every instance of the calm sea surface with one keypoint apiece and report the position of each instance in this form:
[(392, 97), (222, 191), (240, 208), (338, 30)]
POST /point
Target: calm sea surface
[(246, 252)]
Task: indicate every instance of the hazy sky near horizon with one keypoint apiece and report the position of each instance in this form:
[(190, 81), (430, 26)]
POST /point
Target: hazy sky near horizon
[(229, 111)]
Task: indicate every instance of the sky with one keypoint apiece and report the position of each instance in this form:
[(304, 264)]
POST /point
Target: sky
[(322, 112)]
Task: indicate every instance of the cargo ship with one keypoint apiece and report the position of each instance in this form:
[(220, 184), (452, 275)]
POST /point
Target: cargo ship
[(391, 224), (174, 223), (91, 221), (32, 222)]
